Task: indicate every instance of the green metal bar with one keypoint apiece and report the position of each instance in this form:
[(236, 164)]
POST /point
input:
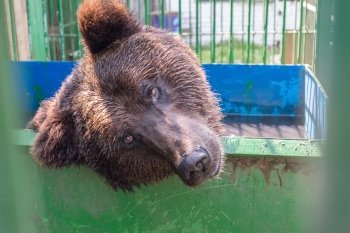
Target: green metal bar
[(78, 33), (242, 146), (13, 30), (128, 3), (266, 24), (295, 41), (274, 30), (301, 30), (323, 45), (197, 27), (61, 28), (36, 30), (253, 36), (190, 21), (258, 147), (200, 31), (283, 55), (231, 55), (46, 30), (162, 13), (180, 17), (146, 12), (249, 26), (213, 40), (242, 39), (222, 30)]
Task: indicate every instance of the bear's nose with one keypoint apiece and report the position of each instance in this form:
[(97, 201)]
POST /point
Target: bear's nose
[(193, 167)]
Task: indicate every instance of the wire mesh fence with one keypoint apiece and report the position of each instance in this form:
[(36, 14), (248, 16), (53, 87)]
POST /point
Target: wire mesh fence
[(219, 31)]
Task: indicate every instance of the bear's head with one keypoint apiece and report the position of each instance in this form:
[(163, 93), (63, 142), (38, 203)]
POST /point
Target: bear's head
[(136, 109)]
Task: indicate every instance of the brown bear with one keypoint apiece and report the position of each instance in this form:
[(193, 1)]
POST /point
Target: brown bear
[(136, 108)]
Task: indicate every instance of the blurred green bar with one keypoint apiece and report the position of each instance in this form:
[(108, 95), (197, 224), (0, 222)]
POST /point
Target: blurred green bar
[(213, 33), (180, 17), (197, 27), (62, 34), (8, 218), (335, 211), (128, 3), (16, 191), (162, 13), (231, 54), (283, 54), (300, 44), (46, 29), (266, 24), (249, 26)]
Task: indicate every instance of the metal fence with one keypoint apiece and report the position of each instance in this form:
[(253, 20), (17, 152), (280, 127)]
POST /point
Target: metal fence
[(219, 31)]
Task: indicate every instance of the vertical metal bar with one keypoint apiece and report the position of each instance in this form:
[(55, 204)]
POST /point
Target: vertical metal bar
[(13, 30), (200, 31), (78, 33), (231, 55), (180, 17), (306, 29), (266, 30), (283, 58), (139, 8), (243, 31), (253, 36), (222, 30), (300, 30), (197, 27), (190, 20), (51, 22), (162, 14), (249, 28), (274, 33), (128, 3), (46, 33), (213, 41), (146, 11), (61, 27), (295, 41)]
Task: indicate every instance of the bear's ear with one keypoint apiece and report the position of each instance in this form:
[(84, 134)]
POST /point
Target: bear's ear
[(55, 144), (102, 22)]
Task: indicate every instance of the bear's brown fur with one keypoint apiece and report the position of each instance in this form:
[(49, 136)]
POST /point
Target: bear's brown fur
[(133, 108)]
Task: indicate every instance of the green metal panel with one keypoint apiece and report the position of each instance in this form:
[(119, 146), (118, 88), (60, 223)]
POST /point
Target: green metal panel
[(77, 200)]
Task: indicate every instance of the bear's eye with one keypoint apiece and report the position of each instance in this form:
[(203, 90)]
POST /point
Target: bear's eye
[(154, 94), (129, 139)]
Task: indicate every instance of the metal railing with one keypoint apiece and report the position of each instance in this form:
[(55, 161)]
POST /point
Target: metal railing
[(219, 31)]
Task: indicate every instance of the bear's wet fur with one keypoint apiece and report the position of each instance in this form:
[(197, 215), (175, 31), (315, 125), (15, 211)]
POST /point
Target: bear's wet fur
[(134, 107)]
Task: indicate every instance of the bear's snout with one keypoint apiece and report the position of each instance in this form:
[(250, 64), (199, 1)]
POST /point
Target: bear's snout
[(193, 167)]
